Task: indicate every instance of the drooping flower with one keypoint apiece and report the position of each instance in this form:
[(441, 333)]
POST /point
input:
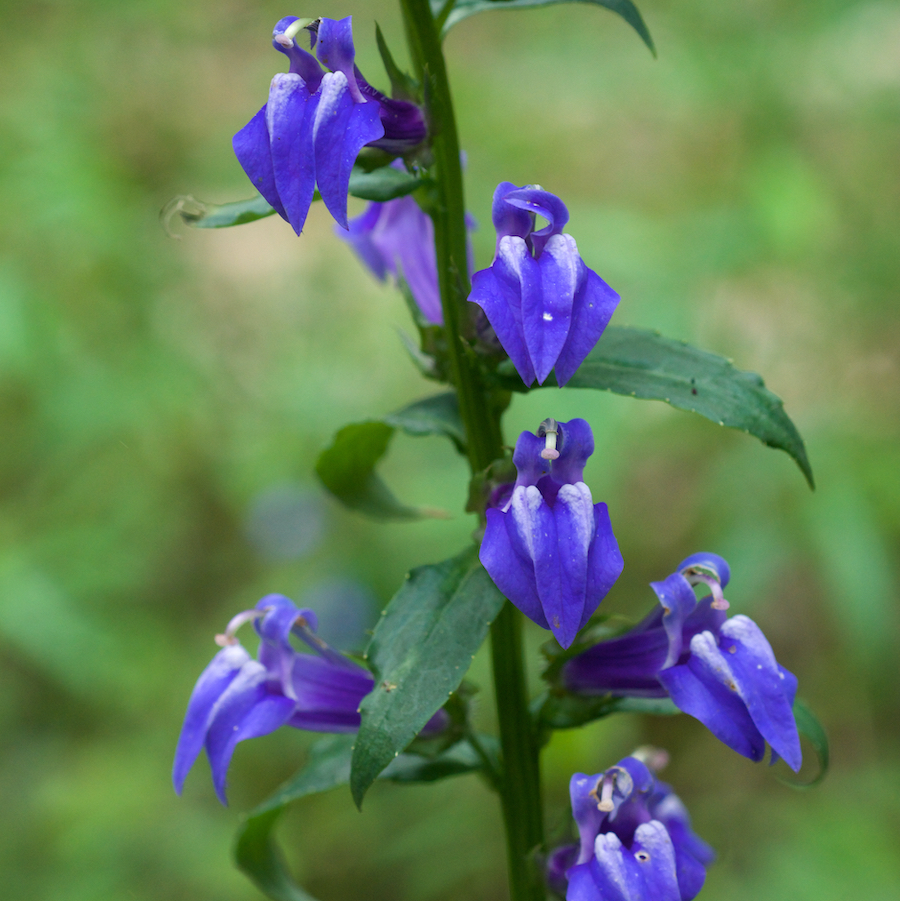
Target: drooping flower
[(548, 547), (720, 670), (397, 237), (546, 307), (315, 122), (237, 697), (635, 840)]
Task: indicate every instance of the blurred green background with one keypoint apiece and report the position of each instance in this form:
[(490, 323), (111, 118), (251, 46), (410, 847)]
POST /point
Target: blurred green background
[(162, 403)]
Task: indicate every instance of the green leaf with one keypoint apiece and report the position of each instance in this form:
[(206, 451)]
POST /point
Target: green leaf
[(419, 653), (644, 364), (347, 466), (465, 8), (383, 184), (211, 215), (402, 86), (256, 852), (456, 761), (436, 415), (347, 469), (809, 726)]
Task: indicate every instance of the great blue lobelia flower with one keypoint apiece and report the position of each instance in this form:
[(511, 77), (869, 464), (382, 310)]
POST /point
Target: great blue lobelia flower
[(315, 122), (635, 840), (548, 547), (397, 237), (720, 670), (546, 307), (237, 697)]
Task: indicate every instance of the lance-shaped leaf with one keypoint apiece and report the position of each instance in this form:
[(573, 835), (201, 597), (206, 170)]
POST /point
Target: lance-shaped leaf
[(436, 415), (382, 184), (215, 215), (328, 766), (347, 466), (644, 364), (462, 9), (420, 651)]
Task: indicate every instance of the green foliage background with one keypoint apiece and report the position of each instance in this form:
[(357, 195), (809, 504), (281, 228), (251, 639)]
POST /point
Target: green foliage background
[(741, 194)]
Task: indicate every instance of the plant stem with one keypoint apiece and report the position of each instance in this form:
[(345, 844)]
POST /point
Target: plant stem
[(519, 785), (482, 426)]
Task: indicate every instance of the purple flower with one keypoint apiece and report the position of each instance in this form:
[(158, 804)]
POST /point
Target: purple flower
[(547, 308), (547, 546), (636, 841), (721, 671), (316, 122), (237, 697), (397, 237)]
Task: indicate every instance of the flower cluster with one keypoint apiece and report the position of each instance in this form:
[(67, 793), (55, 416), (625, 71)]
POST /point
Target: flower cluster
[(546, 307), (720, 670), (237, 697), (548, 547), (315, 122), (636, 841)]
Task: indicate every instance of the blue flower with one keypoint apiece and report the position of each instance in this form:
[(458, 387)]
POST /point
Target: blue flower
[(546, 307), (721, 671), (316, 122), (635, 840), (547, 546), (397, 237), (237, 697)]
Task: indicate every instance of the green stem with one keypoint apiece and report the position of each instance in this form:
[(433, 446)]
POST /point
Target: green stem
[(519, 785), (521, 791), (448, 215)]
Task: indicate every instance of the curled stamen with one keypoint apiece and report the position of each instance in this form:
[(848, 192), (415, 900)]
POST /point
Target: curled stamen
[(605, 801), (286, 38), (549, 431), (228, 636), (697, 576)]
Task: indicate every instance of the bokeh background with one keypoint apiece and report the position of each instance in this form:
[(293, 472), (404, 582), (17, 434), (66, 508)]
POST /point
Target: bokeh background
[(162, 403)]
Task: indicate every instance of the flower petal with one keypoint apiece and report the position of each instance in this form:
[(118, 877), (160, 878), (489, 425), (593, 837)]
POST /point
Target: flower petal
[(510, 219), (706, 688), (289, 116), (245, 710), (328, 696), (592, 308), (762, 685), (678, 602), (213, 682), (405, 236), (655, 856), (707, 560), (335, 50), (499, 293), (605, 561), (254, 152), (547, 306), (342, 127), (576, 444), (573, 514), (507, 561)]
